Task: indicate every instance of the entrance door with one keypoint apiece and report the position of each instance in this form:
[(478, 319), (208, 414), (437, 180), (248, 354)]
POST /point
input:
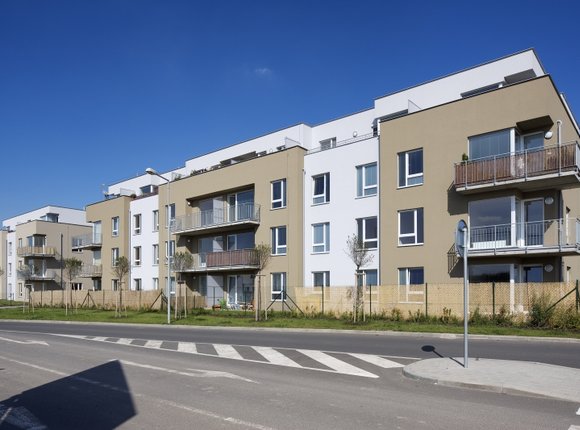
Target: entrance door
[(534, 222)]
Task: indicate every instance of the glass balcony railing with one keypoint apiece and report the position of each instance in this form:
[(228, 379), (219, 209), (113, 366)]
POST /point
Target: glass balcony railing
[(246, 213), (224, 260), (93, 240)]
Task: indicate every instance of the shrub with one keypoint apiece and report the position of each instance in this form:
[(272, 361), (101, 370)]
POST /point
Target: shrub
[(503, 317), (418, 316), (477, 318), (566, 318), (396, 314), (541, 310)]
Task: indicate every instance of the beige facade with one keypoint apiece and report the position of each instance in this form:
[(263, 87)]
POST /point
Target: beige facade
[(220, 188), (443, 134), (41, 248), (114, 218)]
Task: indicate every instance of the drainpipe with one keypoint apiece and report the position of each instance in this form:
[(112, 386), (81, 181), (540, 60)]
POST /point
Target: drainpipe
[(559, 130), (559, 125)]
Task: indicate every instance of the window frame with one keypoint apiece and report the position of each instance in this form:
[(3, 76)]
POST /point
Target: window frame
[(115, 226), (137, 256), (320, 199), (361, 178), (282, 200), (325, 278), (156, 254), (114, 252), (410, 295), (137, 224), (137, 284), (281, 293), (277, 248), (325, 244), (406, 166), (362, 232), (155, 220), (415, 233)]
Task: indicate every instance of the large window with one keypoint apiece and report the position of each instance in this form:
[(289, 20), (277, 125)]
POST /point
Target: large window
[(411, 168), (489, 273), (279, 286), (279, 194), (321, 279), (490, 223), (137, 284), (321, 237), (367, 231), (411, 276), (169, 213), (137, 224), (366, 180), (155, 253), (279, 240), (169, 250), (115, 226), (321, 189), (411, 227), (490, 144)]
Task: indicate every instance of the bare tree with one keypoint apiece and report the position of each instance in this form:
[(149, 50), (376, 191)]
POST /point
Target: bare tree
[(263, 254), (181, 261), (360, 256), (120, 271), (1, 271), (72, 267)]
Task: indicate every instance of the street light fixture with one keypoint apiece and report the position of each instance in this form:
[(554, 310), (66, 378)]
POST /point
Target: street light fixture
[(153, 172)]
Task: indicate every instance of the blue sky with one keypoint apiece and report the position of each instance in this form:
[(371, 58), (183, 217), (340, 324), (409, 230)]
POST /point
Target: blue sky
[(93, 92)]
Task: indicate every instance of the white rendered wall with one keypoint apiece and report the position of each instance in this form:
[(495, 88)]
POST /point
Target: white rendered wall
[(65, 215), (147, 270), (342, 211), (11, 277)]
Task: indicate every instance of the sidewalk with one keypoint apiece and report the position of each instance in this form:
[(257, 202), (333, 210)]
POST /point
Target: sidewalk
[(501, 376)]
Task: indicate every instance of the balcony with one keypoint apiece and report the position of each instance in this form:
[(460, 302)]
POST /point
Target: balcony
[(30, 274), (555, 166), (37, 251), (243, 259), (91, 271), (87, 241), (536, 238), (246, 214)]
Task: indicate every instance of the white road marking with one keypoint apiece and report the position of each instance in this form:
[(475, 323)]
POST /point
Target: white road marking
[(125, 341), (574, 428), (197, 373), (25, 342), (336, 364), (20, 417), (578, 411), (377, 361), (153, 344), (275, 357), (227, 351), (188, 347)]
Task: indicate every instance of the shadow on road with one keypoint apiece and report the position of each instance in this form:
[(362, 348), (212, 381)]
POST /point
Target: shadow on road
[(431, 348), (98, 398)]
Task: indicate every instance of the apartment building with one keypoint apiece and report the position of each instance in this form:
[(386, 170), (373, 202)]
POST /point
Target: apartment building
[(487, 144), (34, 246)]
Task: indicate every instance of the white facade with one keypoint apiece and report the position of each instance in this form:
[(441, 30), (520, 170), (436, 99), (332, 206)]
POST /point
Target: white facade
[(144, 236)]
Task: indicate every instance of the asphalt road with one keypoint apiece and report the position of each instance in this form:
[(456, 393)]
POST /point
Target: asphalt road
[(113, 376)]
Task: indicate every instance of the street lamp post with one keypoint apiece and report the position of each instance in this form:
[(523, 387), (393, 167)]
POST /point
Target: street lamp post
[(151, 171)]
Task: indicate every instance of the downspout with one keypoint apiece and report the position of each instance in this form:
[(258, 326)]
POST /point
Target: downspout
[(379, 271)]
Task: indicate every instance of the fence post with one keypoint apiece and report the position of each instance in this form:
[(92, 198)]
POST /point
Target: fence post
[(322, 298), (577, 297), (370, 300), (426, 300), (493, 298)]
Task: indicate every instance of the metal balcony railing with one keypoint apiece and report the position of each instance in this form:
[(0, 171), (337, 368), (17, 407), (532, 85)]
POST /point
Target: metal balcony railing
[(37, 251), (87, 241), (31, 274), (91, 271), (225, 260), (528, 165), (554, 235), (204, 220)]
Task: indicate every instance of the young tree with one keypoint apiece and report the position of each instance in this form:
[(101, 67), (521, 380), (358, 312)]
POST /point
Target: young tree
[(263, 254), (181, 261), (72, 268), (360, 256), (120, 271)]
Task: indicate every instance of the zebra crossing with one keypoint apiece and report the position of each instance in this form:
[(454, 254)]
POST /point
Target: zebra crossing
[(355, 364)]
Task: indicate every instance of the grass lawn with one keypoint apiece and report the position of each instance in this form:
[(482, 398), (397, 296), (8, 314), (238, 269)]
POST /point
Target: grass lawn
[(241, 319)]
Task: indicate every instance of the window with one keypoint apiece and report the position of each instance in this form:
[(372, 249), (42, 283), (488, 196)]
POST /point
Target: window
[(169, 252), (155, 283), (155, 220), (137, 255), (156, 254), (367, 232), (279, 194), (76, 286), (279, 286), (169, 213), (490, 144), (9, 269), (9, 248), (411, 276), (114, 284), (20, 289), (328, 143), (411, 168), (321, 237), (114, 256), (371, 277), (137, 224), (279, 240), (321, 191), (321, 279), (411, 227), (115, 226), (366, 180), (490, 222), (137, 284)]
